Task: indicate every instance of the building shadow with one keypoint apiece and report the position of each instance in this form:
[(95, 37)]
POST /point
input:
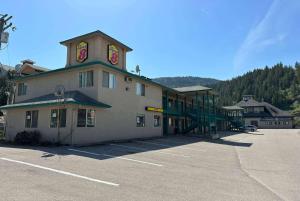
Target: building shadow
[(130, 147)]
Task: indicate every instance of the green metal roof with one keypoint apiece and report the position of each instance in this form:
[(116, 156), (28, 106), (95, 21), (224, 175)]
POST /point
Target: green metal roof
[(192, 88), (70, 97)]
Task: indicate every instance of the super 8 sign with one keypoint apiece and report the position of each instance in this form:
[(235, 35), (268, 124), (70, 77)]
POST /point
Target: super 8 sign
[(113, 54), (81, 52)]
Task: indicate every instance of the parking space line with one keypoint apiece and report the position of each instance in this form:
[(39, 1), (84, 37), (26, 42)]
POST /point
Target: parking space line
[(169, 146), (113, 156), (144, 149), (61, 172)]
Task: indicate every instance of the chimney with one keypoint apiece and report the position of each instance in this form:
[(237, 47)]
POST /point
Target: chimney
[(27, 61)]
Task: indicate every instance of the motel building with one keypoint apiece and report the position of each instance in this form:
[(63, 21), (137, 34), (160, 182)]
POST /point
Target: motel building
[(94, 99)]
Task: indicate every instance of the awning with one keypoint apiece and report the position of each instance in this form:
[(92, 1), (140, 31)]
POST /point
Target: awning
[(70, 97)]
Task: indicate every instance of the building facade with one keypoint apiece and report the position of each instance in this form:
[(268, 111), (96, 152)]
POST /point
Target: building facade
[(264, 115), (95, 99)]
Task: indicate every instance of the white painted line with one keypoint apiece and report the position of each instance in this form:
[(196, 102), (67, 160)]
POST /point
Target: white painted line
[(61, 172), (169, 146), (119, 157), (144, 149)]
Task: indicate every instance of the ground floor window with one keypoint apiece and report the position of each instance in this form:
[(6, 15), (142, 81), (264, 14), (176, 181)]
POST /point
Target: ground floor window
[(286, 123), (86, 118), (58, 116), (31, 119), (156, 120), (171, 122), (268, 122), (140, 120)]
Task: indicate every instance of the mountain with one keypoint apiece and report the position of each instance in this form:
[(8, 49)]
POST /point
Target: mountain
[(173, 82)]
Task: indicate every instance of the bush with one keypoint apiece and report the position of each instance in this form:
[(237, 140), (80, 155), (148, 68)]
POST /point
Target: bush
[(28, 138)]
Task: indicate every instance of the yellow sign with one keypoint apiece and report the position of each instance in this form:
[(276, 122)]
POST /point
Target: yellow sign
[(154, 109), (81, 52), (113, 54)]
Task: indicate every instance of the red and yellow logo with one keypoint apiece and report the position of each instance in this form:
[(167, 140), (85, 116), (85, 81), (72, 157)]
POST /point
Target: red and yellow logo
[(113, 54), (81, 52)]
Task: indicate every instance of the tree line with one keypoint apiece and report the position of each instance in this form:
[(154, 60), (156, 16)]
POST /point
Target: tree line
[(278, 85)]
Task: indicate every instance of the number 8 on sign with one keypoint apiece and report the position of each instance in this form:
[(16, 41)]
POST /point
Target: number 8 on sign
[(81, 52)]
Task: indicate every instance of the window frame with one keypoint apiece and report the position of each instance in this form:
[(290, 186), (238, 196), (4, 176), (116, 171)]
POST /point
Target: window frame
[(140, 89), (140, 124), (58, 118), (159, 121), (84, 81), (22, 89), (110, 81), (32, 123), (86, 118)]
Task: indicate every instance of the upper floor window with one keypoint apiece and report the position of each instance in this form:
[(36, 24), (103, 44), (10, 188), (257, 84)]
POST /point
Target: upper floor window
[(58, 116), (22, 89), (86, 79), (31, 119), (109, 80), (140, 89), (86, 118)]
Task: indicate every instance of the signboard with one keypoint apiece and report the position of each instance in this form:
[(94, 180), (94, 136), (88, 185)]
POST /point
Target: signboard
[(81, 52), (154, 109), (113, 54)]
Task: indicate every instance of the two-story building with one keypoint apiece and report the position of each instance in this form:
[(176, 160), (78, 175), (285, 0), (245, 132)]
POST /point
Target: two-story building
[(263, 114), (95, 99)]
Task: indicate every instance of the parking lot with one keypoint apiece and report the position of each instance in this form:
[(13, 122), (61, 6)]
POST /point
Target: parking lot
[(264, 165)]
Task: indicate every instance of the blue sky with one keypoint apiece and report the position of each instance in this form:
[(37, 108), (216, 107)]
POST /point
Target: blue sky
[(219, 39)]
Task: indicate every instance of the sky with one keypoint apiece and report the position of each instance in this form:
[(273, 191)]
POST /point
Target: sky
[(218, 39)]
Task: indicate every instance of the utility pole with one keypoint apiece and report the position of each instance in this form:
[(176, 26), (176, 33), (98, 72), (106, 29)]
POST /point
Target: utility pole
[(4, 25)]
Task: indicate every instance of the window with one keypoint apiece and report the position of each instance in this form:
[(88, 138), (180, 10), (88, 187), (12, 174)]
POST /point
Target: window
[(31, 119), (140, 89), (109, 80), (22, 89), (156, 121), (140, 120), (171, 122), (58, 114), (90, 118), (86, 118), (86, 79)]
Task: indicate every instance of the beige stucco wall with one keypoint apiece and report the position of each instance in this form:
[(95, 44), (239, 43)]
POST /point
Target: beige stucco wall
[(97, 50), (15, 122), (42, 85), (115, 123)]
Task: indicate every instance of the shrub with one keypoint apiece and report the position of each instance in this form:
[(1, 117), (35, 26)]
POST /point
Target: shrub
[(28, 138)]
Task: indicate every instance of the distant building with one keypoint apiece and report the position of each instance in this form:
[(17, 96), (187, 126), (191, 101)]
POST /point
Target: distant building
[(263, 114)]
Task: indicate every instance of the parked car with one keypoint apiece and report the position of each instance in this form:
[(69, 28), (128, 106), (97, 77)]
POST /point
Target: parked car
[(249, 128)]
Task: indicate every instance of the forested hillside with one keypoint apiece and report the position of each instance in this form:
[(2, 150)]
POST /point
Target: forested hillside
[(278, 85), (185, 81)]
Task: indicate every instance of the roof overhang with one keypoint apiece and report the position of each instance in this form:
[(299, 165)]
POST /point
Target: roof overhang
[(52, 103), (96, 33)]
